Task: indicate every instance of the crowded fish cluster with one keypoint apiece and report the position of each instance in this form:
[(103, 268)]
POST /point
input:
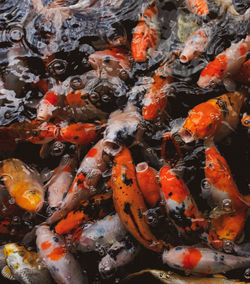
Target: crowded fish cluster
[(114, 117)]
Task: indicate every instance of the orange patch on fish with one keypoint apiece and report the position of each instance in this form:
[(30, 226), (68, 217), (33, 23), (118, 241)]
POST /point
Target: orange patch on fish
[(45, 245), (191, 259), (51, 97), (57, 253), (91, 153), (198, 7), (216, 67)]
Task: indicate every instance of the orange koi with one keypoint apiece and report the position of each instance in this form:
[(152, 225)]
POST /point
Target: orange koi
[(202, 260), (195, 45), (112, 62), (198, 7), (148, 183), (84, 183), (61, 264), (146, 34), (220, 179), (60, 182), (214, 118), (23, 184), (180, 205), (93, 209), (129, 202), (225, 64), (155, 99), (79, 133), (245, 121), (43, 133), (243, 76)]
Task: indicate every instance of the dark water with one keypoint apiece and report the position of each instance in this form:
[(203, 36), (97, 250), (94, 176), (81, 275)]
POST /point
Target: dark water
[(38, 46)]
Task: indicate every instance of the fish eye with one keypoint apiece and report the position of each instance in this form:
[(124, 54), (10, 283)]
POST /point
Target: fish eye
[(76, 83), (107, 59), (94, 97)]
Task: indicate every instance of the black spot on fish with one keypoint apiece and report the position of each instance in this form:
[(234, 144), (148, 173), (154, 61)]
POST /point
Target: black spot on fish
[(223, 106), (127, 181), (76, 138), (170, 194)]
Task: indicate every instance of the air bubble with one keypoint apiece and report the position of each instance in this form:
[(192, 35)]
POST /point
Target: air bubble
[(205, 184)]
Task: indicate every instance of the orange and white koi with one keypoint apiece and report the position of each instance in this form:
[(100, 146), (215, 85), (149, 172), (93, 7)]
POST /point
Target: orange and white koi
[(129, 202), (122, 127), (23, 184), (155, 99), (202, 260), (243, 76), (195, 44), (93, 209), (226, 64), (245, 121), (102, 234), (148, 183), (60, 182), (180, 205), (221, 183), (61, 264), (111, 62), (215, 118), (83, 186), (198, 7), (146, 34)]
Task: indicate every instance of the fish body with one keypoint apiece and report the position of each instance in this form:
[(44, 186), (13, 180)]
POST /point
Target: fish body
[(119, 254), (53, 252), (102, 234), (243, 76), (148, 183), (23, 184), (180, 205), (129, 202), (25, 265), (83, 186), (60, 182), (202, 260), (226, 64), (111, 62), (92, 209), (198, 7), (215, 118), (146, 34), (155, 99)]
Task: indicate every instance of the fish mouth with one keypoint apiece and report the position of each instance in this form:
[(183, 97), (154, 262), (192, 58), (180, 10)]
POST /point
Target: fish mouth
[(111, 148), (184, 58), (141, 167), (187, 136)]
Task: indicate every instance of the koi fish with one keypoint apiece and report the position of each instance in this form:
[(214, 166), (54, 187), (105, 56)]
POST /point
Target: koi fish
[(225, 64), (23, 184), (79, 133), (60, 182), (220, 179), (227, 5), (215, 118), (93, 209), (243, 76), (43, 133), (198, 7), (83, 186), (111, 62), (119, 254), (195, 44), (155, 99), (129, 202), (245, 121), (148, 183), (121, 129), (61, 264), (202, 260), (180, 205), (146, 34), (102, 234), (24, 265)]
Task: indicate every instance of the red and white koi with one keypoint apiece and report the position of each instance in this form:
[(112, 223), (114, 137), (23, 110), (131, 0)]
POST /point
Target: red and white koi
[(226, 64), (60, 182), (198, 7), (61, 264), (146, 34), (83, 186), (202, 260), (180, 206)]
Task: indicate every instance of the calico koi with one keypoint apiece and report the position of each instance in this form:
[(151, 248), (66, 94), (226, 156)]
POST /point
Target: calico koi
[(129, 202), (146, 34), (226, 64)]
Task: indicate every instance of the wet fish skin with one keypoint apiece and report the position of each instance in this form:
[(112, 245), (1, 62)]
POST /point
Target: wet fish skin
[(61, 263), (198, 7)]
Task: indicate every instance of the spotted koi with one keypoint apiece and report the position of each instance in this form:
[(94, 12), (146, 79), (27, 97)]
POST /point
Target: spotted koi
[(198, 7)]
